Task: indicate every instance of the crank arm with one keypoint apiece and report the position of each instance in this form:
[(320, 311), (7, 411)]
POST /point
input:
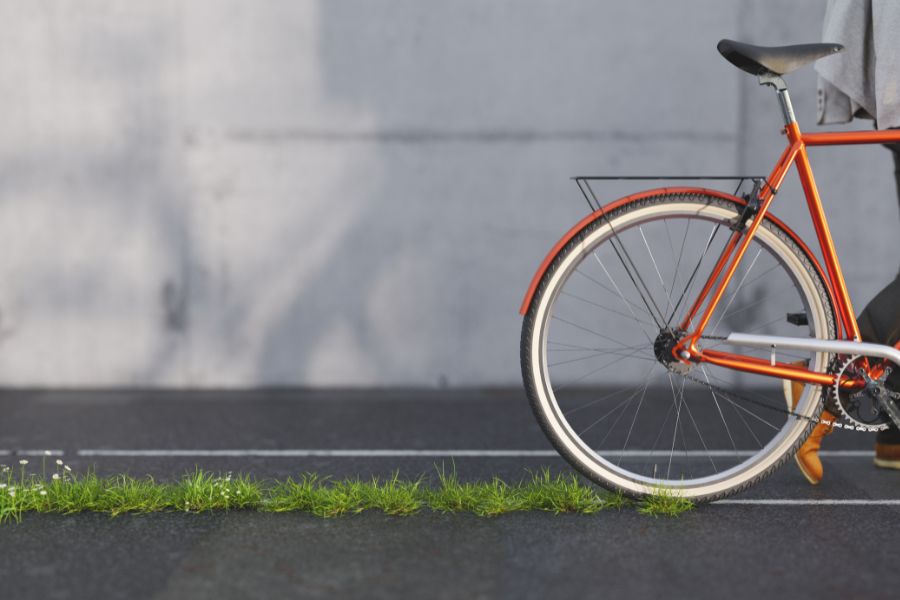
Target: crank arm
[(890, 408)]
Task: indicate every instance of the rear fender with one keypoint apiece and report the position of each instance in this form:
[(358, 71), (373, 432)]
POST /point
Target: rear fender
[(545, 265)]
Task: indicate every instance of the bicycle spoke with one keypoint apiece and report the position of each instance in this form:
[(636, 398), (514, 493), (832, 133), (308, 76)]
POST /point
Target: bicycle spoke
[(764, 273), (633, 354), (634, 419), (616, 422), (614, 293), (576, 348), (680, 397), (719, 408), (678, 262), (632, 272), (656, 268), (593, 372), (702, 441), (690, 281), (591, 331), (612, 281), (737, 290), (601, 399), (598, 305), (759, 444)]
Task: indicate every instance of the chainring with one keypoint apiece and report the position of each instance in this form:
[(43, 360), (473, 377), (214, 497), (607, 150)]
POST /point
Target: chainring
[(871, 406)]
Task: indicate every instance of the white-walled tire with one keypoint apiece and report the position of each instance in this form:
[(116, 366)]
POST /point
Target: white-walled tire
[(591, 338)]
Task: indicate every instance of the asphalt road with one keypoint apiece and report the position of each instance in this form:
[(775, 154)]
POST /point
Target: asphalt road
[(764, 546)]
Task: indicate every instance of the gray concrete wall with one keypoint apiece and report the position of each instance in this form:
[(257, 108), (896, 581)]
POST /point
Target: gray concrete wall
[(336, 192)]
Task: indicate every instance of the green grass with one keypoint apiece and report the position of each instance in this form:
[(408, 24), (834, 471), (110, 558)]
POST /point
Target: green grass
[(64, 492), (664, 503)]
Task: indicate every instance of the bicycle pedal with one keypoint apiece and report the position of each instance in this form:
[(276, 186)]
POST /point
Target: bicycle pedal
[(798, 319)]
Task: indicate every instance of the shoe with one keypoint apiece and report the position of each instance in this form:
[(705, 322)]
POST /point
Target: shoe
[(793, 389), (807, 456), (887, 449), (887, 456)]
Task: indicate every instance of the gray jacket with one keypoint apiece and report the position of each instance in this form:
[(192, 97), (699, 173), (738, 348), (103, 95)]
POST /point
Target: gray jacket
[(864, 79)]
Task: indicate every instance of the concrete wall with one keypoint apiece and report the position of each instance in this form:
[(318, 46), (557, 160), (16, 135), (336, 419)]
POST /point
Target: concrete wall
[(354, 192)]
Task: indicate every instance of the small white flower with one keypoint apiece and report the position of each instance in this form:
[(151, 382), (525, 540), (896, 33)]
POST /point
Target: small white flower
[(56, 476), (68, 468), (59, 461), (23, 462), (43, 492), (2, 486), (12, 493)]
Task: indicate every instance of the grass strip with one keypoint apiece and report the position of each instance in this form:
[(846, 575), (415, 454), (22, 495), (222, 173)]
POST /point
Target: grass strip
[(664, 503), (65, 492)]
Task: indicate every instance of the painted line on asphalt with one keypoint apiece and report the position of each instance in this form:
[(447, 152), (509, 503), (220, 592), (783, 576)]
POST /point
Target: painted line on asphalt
[(316, 452), (822, 502), (31, 453), (377, 453)]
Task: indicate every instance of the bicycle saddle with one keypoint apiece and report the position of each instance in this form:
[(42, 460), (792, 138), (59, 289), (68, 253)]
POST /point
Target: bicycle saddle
[(775, 60)]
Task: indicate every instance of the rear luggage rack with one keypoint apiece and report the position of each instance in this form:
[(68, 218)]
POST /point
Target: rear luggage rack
[(584, 183)]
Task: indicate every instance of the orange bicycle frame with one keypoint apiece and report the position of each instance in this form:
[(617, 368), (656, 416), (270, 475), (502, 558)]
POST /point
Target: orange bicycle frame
[(699, 314)]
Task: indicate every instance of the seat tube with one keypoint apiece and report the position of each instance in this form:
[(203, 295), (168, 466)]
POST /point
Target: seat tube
[(840, 294), (832, 266)]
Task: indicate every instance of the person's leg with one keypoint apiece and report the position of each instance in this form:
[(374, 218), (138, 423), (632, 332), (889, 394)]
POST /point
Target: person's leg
[(807, 456), (887, 443), (879, 323), (895, 150)]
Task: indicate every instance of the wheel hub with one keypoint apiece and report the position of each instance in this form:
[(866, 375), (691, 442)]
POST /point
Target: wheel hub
[(664, 350)]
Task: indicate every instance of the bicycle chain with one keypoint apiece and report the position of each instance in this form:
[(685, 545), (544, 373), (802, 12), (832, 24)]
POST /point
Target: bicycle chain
[(785, 411)]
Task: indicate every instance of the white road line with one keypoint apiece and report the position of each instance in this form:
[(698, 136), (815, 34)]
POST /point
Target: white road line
[(327, 453), (823, 502), (376, 453), (31, 452)]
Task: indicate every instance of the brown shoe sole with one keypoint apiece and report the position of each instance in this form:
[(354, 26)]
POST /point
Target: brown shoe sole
[(807, 475), (887, 463), (787, 386)]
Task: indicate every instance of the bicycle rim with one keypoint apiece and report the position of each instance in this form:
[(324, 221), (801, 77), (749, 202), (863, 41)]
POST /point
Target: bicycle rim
[(633, 422)]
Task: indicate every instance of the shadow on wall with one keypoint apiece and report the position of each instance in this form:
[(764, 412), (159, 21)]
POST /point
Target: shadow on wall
[(371, 313), (93, 204), (471, 115)]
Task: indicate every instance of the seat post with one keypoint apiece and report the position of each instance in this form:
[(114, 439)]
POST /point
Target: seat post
[(784, 98)]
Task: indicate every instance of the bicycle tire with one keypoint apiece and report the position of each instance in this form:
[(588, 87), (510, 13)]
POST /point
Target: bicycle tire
[(772, 236)]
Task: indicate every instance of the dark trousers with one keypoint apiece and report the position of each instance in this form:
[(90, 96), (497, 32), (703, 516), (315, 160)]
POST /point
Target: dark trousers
[(879, 321), (895, 150)]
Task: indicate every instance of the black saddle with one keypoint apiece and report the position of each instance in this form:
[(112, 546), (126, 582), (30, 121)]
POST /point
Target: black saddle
[(773, 60)]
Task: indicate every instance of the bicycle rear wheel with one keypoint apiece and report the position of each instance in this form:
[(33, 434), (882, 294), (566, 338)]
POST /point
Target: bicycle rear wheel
[(596, 329)]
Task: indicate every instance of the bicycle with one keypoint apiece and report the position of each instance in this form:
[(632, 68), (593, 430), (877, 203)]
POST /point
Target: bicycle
[(706, 299)]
